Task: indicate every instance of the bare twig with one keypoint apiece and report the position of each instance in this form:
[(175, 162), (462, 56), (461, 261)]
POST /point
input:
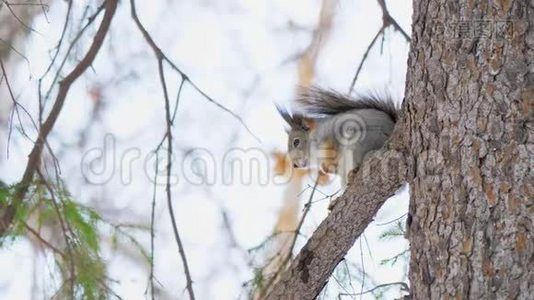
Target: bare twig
[(44, 7), (289, 254), (16, 106), (392, 221), (387, 20), (90, 20), (16, 51), (42, 240), (178, 94), (61, 38), (404, 287), (8, 5), (364, 58), (363, 267), (64, 227), (184, 76), (152, 230), (160, 56), (307, 208), (41, 4), (346, 265), (58, 48), (168, 183)]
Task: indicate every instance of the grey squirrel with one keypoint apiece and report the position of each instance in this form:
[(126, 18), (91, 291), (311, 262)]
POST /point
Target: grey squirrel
[(335, 132)]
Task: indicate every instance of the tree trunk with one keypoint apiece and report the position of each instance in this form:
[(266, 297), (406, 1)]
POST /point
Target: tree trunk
[(469, 117)]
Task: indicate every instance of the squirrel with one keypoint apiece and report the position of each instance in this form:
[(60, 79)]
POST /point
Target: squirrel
[(334, 131)]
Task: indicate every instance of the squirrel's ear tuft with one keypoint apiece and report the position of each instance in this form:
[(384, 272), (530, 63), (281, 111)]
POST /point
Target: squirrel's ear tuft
[(295, 121), (285, 114)]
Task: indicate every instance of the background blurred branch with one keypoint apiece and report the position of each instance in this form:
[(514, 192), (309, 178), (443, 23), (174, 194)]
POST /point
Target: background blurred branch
[(160, 56), (64, 87), (387, 20)]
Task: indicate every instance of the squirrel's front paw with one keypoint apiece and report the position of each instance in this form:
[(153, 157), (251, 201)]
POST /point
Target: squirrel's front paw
[(329, 166)]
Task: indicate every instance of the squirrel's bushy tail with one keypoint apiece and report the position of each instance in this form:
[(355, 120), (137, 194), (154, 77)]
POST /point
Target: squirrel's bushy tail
[(315, 101)]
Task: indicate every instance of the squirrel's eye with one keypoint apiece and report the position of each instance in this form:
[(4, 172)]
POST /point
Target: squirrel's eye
[(296, 142)]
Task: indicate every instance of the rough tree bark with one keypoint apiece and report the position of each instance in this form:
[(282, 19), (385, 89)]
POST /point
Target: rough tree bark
[(470, 96), (467, 136)]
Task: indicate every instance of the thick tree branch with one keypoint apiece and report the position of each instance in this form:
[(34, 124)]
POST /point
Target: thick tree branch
[(64, 87), (378, 179)]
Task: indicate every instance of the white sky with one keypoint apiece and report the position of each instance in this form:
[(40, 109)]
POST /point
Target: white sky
[(229, 49)]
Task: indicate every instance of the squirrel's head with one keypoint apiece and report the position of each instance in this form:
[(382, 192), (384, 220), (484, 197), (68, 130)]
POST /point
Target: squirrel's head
[(298, 144)]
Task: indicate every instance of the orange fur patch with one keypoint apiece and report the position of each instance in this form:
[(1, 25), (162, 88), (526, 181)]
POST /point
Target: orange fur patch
[(328, 156)]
